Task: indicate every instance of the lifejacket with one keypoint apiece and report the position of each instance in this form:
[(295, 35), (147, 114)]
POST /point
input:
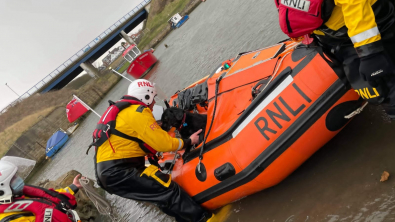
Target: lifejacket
[(106, 126), (301, 17), (46, 205)]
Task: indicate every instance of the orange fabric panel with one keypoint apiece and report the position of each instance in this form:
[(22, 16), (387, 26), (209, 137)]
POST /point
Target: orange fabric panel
[(251, 75), (255, 57)]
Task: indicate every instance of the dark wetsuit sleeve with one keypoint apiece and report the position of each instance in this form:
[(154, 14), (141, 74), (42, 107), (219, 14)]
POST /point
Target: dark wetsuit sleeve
[(187, 143), (74, 188)]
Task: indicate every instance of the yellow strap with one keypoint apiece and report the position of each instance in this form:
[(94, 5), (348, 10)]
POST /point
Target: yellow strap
[(151, 169), (150, 172)]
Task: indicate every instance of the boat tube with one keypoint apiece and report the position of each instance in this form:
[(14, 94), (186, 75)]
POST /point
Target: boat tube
[(269, 110)]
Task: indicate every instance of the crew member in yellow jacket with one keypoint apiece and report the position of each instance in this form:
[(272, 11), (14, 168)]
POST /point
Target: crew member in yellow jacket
[(361, 34), (26, 203), (129, 132)]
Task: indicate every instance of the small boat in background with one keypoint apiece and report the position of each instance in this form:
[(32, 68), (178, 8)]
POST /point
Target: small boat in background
[(140, 63), (55, 142), (176, 21), (72, 128)]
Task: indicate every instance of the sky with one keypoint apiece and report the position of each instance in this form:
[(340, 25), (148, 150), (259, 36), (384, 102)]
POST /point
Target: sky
[(39, 35)]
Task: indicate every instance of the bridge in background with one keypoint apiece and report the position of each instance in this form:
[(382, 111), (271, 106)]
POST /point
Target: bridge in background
[(67, 71)]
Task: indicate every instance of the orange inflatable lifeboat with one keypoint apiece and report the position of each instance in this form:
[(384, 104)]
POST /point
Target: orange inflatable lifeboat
[(274, 107)]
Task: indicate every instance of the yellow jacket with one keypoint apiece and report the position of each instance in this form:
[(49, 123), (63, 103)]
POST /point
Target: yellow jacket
[(359, 17), (136, 121), (32, 218)]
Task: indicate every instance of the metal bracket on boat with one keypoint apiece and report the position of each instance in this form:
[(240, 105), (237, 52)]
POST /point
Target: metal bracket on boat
[(356, 112), (198, 166), (200, 172), (176, 156)]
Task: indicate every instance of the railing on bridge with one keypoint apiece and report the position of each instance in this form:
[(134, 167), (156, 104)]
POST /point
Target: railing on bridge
[(81, 52)]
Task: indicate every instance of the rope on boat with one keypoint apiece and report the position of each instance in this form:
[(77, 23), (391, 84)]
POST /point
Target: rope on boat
[(356, 112), (212, 120), (101, 204), (292, 46), (275, 72), (176, 155)]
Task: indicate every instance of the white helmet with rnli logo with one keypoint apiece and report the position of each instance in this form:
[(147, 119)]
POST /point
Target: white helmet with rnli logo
[(7, 173), (142, 90)]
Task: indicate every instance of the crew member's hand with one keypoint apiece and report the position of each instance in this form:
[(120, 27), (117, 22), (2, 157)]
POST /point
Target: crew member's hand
[(376, 66), (76, 181), (195, 137)]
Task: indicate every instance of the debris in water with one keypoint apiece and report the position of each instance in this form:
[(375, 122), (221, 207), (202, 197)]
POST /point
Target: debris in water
[(384, 176)]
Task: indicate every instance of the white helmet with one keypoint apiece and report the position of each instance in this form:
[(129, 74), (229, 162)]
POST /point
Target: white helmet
[(142, 90), (7, 173)]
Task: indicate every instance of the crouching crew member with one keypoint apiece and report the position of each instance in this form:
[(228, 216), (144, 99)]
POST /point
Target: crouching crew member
[(24, 203), (360, 34), (126, 133)]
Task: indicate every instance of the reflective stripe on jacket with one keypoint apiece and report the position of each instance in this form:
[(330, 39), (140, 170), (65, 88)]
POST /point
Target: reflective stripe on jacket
[(360, 20), (136, 121)]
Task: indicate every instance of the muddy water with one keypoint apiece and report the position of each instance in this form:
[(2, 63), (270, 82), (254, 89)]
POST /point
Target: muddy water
[(339, 183)]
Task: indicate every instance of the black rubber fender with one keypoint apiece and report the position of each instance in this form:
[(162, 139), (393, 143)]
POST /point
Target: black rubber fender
[(335, 119)]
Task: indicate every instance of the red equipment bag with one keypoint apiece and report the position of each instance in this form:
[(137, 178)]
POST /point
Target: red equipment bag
[(301, 17)]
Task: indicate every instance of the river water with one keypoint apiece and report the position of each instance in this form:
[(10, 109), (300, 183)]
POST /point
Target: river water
[(325, 188)]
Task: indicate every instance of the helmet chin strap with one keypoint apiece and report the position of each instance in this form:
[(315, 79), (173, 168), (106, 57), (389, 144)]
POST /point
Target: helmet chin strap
[(17, 185)]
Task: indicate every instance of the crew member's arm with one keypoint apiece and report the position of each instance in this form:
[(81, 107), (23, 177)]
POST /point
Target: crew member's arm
[(363, 31), (361, 23), (151, 133), (72, 188)]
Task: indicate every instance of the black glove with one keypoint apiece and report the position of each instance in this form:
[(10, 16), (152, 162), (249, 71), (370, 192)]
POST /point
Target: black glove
[(374, 67)]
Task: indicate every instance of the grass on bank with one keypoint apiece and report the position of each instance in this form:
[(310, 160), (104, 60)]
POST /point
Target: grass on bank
[(12, 133), (20, 118), (159, 22), (39, 102), (124, 67), (33, 104)]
